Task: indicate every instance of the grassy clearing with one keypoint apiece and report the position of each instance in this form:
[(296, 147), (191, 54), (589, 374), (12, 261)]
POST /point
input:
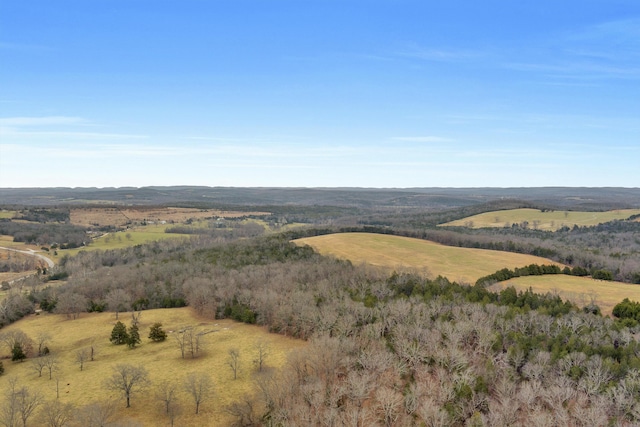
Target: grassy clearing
[(580, 290), (4, 214), (550, 220), (123, 239), (463, 265), (162, 361)]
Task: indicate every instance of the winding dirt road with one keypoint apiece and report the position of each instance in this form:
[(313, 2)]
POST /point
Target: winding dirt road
[(32, 253)]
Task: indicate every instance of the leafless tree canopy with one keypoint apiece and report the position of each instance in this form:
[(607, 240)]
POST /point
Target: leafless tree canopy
[(199, 386), (128, 380)]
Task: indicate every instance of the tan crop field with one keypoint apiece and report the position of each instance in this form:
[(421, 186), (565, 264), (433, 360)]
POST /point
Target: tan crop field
[(580, 290), (464, 265), (163, 362), (536, 219)]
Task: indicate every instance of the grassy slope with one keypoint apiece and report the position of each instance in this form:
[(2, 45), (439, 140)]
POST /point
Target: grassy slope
[(119, 240), (577, 289), (551, 220), (162, 360), (394, 252)]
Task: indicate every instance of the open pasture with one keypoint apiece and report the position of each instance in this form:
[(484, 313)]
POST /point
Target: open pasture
[(537, 219), (162, 360), (579, 290), (6, 214), (463, 265), (122, 239)]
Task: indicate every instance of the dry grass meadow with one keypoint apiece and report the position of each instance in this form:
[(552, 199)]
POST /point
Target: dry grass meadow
[(162, 360), (580, 290), (549, 220), (463, 265)]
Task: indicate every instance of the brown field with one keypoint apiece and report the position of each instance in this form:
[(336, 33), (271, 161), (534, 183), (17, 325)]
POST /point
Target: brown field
[(119, 217), (162, 361), (579, 290), (463, 265), (536, 219)]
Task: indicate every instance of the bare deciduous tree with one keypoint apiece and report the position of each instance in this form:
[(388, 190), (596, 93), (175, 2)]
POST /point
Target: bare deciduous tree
[(166, 393), (190, 341), (96, 414), (71, 304), (15, 338), (118, 300), (81, 356), (261, 352), (389, 403), (19, 405), (199, 386), (38, 364), (51, 363), (234, 361), (42, 339), (128, 379), (56, 413), (243, 411)]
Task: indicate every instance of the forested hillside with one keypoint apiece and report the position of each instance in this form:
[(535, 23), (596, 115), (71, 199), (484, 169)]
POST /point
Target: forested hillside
[(384, 350)]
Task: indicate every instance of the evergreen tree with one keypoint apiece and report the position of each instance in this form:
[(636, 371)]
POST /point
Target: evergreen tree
[(133, 338), (156, 333), (119, 334), (17, 354)]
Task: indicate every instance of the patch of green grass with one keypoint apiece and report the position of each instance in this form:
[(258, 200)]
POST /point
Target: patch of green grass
[(536, 219), (464, 265), (162, 360), (580, 290), (124, 239), (4, 214)]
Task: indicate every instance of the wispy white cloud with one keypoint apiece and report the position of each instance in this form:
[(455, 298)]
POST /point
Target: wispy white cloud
[(47, 127), (440, 54), (40, 121), (608, 50), (19, 134), (425, 139)]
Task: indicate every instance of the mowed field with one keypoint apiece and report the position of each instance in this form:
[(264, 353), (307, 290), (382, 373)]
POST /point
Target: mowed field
[(549, 220), (580, 290), (463, 265), (162, 360)]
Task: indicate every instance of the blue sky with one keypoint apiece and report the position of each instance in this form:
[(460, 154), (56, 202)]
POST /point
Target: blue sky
[(321, 93)]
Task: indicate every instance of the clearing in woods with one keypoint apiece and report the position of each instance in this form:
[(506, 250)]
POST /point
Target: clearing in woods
[(120, 217), (579, 290), (537, 219), (162, 360), (464, 265)]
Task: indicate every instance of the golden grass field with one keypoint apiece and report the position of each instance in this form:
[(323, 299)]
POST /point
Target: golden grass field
[(5, 214), (464, 265), (550, 220), (580, 290), (162, 360)]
